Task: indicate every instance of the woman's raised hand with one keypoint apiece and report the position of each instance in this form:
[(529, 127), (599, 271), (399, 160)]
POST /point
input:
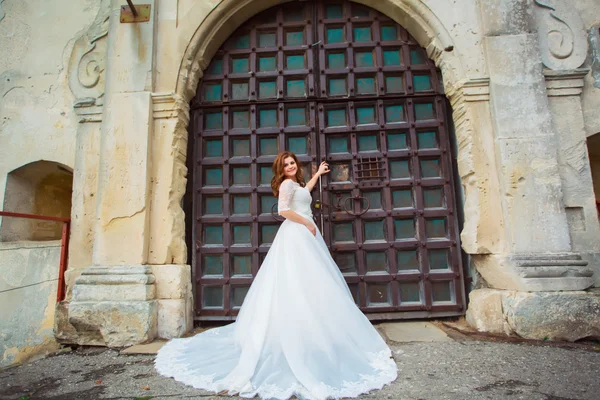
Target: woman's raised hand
[(323, 168)]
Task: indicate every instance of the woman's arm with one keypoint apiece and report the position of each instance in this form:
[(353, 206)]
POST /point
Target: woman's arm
[(323, 169), (286, 192), (295, 217)]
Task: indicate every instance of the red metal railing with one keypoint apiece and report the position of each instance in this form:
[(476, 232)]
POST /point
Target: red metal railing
[(64, 245)]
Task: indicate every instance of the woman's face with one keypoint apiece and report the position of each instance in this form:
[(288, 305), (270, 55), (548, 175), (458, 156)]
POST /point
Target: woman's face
[(290, 168)]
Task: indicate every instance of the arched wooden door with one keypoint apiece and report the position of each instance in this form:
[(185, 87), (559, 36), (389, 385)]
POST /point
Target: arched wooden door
[(341, 82)]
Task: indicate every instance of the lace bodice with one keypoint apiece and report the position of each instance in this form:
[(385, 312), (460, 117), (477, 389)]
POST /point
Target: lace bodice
[(294, 197)]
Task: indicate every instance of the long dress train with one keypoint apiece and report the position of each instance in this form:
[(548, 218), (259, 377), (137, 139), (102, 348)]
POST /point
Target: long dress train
[(298, 331)]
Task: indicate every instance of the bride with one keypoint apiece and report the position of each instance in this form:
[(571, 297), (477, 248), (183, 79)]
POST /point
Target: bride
[(298, 332)]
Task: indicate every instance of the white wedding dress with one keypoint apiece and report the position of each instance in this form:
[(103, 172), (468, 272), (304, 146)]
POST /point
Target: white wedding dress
[(298, 331)]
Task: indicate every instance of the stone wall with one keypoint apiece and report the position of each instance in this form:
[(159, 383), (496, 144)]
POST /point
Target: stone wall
[(111, 100), (37, 118), (28, 283), (36, 106), (528, 216)]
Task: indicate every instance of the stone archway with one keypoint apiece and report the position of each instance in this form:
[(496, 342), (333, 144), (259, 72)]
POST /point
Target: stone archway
[(369, 91), (469, 99), (413, 15)]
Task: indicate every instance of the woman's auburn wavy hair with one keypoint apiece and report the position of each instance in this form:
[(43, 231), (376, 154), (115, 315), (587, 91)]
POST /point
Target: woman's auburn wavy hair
[(279, 174)]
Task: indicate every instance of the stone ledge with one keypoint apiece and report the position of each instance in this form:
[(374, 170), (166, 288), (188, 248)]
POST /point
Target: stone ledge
[(535, 272), (118, 270), (113, 292), (115, 283), (567, 316), (148, 348), (142, 279)]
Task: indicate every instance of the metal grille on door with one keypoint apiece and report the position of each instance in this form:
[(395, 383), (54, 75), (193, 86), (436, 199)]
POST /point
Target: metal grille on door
[(340, 82)]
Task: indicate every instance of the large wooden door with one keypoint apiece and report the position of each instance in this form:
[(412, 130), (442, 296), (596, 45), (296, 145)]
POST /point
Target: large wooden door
[(340, 82)]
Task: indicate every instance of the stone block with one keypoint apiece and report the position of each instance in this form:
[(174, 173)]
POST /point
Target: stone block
[(149, 348), (122, 230), (413, 331), (172, 281), (505, 17), (173, 318), (64, 332), (568, 316), (484, 312), (114, 323), (71, 276)]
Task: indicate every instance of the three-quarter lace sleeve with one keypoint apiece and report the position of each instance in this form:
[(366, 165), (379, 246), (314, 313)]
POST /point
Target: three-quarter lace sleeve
[(286, 192)]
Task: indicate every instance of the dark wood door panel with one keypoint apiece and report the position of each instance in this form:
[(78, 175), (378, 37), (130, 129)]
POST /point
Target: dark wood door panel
[(340, 82)]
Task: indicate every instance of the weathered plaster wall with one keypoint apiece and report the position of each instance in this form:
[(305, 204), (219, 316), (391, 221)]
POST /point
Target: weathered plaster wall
[(37, 122), (36, 106), (28, 282)]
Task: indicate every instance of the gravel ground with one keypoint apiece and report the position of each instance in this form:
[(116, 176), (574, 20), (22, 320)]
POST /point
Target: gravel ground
[(447, 370)]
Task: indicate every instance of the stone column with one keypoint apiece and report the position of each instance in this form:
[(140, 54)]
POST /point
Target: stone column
[(113, 301), (538, 246), (168, 250), (85, 186), (564, 96), (537, 253), (536, 286)]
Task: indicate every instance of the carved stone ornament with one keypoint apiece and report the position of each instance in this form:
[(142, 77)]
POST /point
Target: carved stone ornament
[(562, 36), (88, 60)]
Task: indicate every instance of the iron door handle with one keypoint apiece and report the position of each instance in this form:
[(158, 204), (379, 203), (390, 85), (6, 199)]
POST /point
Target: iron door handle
[(360, 198)]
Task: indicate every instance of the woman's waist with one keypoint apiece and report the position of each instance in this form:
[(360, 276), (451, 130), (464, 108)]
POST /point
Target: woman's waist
[(303, 213)]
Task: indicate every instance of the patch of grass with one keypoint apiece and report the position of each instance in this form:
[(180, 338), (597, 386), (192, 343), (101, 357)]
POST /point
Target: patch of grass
[(143, 398)]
